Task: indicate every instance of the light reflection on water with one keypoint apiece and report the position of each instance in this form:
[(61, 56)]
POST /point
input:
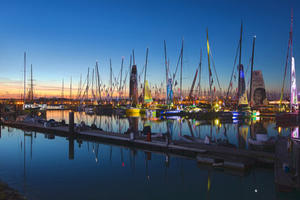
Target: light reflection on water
[(234, 134), (44, 168)]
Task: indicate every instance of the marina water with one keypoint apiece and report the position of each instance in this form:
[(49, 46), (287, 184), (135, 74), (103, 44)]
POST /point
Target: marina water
[(42, 166)]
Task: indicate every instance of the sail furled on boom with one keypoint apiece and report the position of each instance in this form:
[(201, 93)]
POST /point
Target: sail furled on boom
[(294, 96), (208, 50), (242, 94), (147, 93)]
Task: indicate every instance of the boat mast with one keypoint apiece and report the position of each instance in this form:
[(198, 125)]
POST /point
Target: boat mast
[(98, 80), (287, 58), (87, 85), (145, 71), (209, 70), (133, 57), (166, 65), (251, 80), (292, 65), (79, 88), (121, 87), (129, 75), (181, 70), (293, 89), (240, 58), (199, 92), (62, 91), (31, 85), (110, 79), (193, 84), (24, 78), (92, 88), (71, 88)]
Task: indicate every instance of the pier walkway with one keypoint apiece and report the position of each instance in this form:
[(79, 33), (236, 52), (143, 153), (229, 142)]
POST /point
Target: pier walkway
[(210, 154)]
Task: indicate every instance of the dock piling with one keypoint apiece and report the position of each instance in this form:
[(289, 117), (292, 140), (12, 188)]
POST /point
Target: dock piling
[(71, 122)]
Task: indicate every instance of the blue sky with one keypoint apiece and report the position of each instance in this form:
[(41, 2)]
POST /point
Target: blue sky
[(64, 38)]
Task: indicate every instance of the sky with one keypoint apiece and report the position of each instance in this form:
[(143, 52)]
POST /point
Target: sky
[(65, 38)]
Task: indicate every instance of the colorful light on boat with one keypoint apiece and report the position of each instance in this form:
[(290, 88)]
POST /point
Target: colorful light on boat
[(235, 115), (217, 122), (295, 133), (279, 129)]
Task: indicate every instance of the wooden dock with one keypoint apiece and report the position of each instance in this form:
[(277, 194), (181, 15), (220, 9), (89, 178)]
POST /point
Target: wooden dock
[(286, 167), (220, 156)]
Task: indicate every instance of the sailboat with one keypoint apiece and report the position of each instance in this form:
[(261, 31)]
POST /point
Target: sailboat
[(292, 117), (133, 111), (147, 93), (243, 106)]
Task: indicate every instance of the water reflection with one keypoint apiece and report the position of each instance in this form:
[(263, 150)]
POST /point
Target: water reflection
[(252, 133), (78, 169)]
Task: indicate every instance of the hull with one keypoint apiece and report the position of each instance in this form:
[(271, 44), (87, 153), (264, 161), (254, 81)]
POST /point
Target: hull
[(133, 112)]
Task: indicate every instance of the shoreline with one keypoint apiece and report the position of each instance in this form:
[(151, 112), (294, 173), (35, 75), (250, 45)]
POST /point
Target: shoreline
[(8, 193)]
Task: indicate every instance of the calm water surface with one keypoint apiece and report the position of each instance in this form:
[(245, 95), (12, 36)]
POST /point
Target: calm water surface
[(43, 167), (236, 133)]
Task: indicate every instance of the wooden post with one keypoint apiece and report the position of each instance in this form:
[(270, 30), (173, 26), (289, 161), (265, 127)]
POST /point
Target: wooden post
[(71, 148), (167, 138), (71, 122)]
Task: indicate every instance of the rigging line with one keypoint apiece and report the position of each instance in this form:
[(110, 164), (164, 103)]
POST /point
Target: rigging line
[(285, 69), (232, 73), (83, 89), (179, 58), (170, 75), (247, 72), (213, 62)]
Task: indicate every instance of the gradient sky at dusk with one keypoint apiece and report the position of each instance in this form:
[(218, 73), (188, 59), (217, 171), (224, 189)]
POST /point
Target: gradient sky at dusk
[(64, 38)]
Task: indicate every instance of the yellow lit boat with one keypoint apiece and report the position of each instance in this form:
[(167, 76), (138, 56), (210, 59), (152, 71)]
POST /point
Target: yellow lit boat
[(133, 112)]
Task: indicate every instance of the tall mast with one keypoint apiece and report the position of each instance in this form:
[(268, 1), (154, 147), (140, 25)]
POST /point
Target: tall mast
[(71, 88), (129, 75), (79, 88), (209, 69), (121, 87), (145, 70), (199, 86), (31, 84), (292, 65), (133, 57), (241, 35), (181, 70), (110, 79), (293, 89), (98, 80), (62, 91), (87, 84), (252, 61), (240, 59), (92, 88), (289, 52), (24, 78), (166, 65)]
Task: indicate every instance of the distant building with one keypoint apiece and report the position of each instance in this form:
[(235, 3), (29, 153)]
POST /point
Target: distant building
[(259, 97)]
